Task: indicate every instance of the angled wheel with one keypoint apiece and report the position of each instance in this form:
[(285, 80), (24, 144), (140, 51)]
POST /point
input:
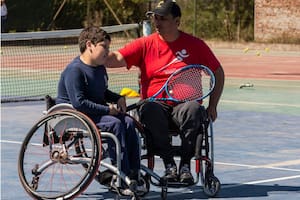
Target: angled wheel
[(146, 183), (164, 193), (59, 156), (211, 186), (164, 188)]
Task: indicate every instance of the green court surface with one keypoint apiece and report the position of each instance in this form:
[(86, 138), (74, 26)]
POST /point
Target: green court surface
[(278, 96)]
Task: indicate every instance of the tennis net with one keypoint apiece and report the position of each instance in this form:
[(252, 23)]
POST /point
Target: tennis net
[(31, 62)]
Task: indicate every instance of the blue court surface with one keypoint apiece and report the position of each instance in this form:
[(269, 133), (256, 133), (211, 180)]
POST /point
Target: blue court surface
[(257, 153)]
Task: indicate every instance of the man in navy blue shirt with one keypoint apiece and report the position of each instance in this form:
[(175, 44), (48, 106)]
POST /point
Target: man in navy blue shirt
[(84, 84)]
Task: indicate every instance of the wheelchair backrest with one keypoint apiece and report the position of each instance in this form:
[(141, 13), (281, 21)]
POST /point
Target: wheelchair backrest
[(51, 106)]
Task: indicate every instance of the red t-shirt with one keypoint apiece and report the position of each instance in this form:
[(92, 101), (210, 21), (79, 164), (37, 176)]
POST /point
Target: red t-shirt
[(158, 59)]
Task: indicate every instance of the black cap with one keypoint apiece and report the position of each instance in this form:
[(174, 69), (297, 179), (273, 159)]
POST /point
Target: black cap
[(166, 7)]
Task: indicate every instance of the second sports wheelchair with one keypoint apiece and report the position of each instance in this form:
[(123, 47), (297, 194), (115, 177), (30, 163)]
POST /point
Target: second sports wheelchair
[(204, 160), (64, 151)]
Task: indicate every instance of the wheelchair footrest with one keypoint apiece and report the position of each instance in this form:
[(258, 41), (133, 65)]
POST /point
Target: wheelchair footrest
[(178, 184)]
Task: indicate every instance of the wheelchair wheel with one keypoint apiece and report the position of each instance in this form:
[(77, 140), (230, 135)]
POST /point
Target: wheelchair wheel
[(59, 156), (211, 184), (145, 180), (164, 192)]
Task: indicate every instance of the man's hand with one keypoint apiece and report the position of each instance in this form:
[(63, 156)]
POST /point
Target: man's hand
[(122, 105), (216, 94), (212, 113), (113, 110)]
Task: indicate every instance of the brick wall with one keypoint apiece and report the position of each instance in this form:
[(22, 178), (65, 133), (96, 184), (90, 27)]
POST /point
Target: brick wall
[(277, 19)]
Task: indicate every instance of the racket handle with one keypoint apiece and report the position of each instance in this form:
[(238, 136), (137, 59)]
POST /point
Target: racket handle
[(131, 107), (135, 105)]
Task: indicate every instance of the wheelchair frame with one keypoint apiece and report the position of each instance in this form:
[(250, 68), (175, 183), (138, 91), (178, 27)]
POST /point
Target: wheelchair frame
[(204, 161), (70, 146)]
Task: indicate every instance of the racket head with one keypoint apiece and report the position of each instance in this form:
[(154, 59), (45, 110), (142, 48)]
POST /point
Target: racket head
[(192, 82)]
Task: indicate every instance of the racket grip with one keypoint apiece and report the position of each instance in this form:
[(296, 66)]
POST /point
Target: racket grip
[(135, 105), (131, 107)]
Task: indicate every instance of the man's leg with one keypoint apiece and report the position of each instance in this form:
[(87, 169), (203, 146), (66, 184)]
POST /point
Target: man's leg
[(155, 117), (189, 117)]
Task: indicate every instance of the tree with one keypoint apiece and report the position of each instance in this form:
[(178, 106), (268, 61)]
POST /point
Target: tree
[(210, 19), (218, 19)]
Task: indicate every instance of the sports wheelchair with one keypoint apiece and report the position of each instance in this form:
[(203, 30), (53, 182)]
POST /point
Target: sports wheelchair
[(204, 159), (64, 151)]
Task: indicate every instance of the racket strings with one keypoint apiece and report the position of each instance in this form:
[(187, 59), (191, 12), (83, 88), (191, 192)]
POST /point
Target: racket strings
[(187, 85)]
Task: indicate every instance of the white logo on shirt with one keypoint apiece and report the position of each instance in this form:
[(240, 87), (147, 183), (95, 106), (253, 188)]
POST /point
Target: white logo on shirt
[(180, 55)]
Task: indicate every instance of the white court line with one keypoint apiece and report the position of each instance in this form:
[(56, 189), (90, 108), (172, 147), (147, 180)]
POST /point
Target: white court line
[(16, 142), (284, 163), (269, 166), (10, 142), (261, 103), (262, 181), (272, 180)]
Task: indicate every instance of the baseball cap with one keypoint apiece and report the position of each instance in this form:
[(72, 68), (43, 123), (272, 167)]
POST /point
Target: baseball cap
[(166, 7)]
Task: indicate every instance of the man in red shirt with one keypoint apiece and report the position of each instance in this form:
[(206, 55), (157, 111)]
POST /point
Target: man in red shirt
[(158, 56)]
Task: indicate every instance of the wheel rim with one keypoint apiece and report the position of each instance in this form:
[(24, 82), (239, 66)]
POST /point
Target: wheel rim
[(57, 171)]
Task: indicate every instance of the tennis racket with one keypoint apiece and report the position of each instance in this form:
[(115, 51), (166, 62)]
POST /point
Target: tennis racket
[(190, 83)]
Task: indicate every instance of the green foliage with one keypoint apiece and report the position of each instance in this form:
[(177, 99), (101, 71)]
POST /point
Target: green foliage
[(209, 19), (219, 19), (28, 15)]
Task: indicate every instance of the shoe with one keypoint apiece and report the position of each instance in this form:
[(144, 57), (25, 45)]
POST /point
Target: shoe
[(140, 190), (123, 190), (186, 175), (171, 173), (105, 177), (126, 192)]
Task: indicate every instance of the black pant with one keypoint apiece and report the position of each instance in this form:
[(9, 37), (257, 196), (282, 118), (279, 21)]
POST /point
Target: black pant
[(157, 118)]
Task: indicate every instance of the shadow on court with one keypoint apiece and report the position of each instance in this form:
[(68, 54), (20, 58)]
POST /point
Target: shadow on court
[(228, 191)]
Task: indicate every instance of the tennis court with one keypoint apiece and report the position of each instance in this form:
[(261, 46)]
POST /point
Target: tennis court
[(257, 133)]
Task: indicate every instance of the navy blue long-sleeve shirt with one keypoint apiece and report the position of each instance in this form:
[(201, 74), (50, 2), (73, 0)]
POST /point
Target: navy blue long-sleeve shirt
[(86, 88)]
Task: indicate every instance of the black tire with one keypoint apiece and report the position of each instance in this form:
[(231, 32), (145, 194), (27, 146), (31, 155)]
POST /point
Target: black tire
[(164, 192), (211, 186), (146, 183), (49, 164)]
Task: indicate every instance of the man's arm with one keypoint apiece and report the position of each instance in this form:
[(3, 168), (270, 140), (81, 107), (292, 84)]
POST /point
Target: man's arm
[(115, 59), (216, 94)]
